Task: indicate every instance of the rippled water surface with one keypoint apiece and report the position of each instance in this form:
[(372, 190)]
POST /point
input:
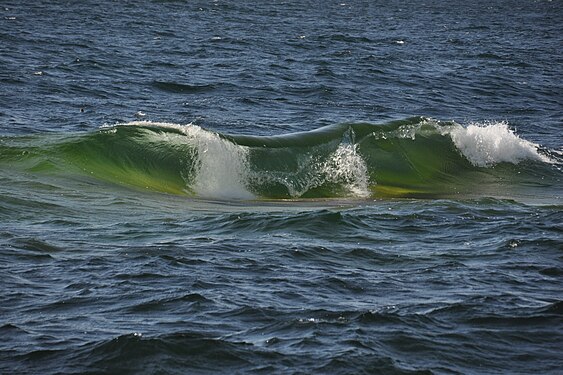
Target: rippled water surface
[(281, 187)]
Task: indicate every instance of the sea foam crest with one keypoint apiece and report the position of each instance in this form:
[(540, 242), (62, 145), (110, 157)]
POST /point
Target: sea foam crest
[(346, 166), (343, 167), (321, 165), (485, 145), (219, 165)]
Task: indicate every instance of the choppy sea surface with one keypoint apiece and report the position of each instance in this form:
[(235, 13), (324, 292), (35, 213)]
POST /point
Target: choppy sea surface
[(288, 187)]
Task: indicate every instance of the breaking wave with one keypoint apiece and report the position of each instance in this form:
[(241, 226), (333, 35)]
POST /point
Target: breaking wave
[(415, 157)]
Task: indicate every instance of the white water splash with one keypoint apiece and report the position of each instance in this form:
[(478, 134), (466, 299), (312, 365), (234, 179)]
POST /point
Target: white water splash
[(347, 167), (343, 167), (485, 145), (219, 165)]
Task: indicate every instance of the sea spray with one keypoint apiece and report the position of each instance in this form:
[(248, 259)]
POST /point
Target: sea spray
[(220, 166), (346, 166), (485, 145), (321, 163), (214, 168)]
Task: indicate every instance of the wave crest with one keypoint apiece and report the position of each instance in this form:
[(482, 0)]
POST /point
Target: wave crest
[(485, 145)]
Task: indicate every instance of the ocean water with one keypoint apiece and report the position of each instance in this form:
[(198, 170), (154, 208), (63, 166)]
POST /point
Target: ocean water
[(282, 187)]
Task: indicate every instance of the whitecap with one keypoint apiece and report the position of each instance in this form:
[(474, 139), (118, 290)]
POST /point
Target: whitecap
[(485, 145), (219, 165)]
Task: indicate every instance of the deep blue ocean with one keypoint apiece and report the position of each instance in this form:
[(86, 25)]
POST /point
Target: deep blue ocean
[(281, 187)]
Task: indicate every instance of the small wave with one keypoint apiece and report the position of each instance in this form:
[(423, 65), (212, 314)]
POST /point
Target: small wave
[(182, 351), (182, 88)]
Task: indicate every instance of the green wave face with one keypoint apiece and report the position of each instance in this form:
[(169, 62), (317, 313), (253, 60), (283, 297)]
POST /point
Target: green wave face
[(146, 157), (416, 158)]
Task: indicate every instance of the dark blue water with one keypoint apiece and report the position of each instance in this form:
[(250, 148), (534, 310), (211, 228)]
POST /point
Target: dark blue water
[(157, 215)]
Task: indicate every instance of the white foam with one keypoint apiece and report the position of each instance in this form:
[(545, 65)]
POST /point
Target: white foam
[(485, 145), (343, 167), (219, 165), (346, 166)]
